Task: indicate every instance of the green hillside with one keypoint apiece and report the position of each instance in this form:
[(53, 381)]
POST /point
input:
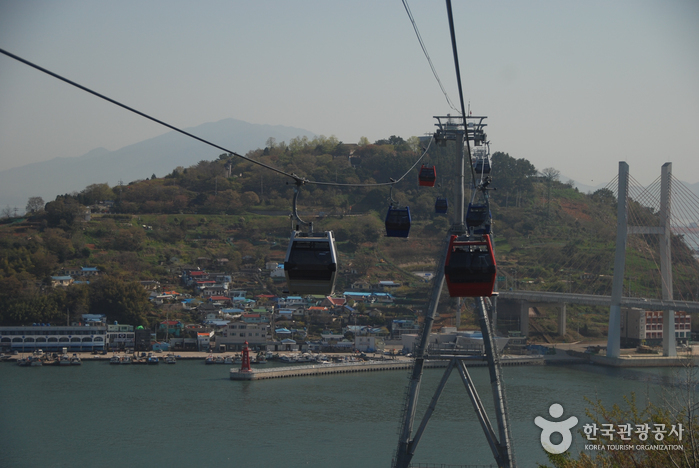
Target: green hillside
[(231, 215)]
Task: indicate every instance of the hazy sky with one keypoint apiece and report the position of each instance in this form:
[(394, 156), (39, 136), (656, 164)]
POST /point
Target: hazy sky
[(573, 85)]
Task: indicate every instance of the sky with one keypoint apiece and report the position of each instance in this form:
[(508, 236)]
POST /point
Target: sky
[(577, 86)]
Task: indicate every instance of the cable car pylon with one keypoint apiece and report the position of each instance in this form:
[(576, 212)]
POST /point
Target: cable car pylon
[(499, 439)]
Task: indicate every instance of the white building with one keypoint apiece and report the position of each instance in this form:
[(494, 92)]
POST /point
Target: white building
[(369, 344), (53, 338), (234, 335)]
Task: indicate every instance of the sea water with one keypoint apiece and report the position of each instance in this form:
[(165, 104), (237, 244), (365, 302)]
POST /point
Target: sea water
[(193, 415)]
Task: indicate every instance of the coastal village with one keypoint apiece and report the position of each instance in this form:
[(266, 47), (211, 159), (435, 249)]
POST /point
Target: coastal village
[(352, 324), (226, 319)]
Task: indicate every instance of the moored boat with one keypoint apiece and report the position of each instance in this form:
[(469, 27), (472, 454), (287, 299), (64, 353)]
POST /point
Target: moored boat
[(170, 359), (75, 360)]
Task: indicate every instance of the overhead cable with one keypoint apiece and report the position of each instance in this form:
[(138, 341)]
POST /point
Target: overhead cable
[(427, 55), (461, 92)]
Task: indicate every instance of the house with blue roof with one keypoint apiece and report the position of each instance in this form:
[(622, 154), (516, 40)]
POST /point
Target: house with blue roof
[(89, 271), (385, 298)]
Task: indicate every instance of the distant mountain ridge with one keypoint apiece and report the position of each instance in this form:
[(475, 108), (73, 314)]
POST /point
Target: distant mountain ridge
[(158, 155)]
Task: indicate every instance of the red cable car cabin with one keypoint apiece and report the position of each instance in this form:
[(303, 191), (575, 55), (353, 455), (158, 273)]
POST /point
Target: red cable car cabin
[(470, 267), (427, 176)]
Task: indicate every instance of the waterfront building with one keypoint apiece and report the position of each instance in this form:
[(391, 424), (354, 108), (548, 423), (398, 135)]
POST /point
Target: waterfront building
[(401, 327), (369, 344), (53, 338), (142, 339), (120, 336), (640, 326), (234, 335), (204, 340)]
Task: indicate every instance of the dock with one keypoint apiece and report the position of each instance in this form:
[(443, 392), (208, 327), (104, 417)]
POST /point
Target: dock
[(364, 366)]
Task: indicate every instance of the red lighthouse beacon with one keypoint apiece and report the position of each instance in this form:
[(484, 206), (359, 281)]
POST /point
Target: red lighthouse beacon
[(245, 365)]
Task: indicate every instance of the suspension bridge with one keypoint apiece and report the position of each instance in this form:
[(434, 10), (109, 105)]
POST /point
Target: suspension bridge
[(666, 209)]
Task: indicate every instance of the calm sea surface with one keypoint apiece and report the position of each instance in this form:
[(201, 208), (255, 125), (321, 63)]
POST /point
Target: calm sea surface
[(192, 415)]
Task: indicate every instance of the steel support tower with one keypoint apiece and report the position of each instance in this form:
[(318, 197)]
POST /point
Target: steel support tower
[(499, 441)]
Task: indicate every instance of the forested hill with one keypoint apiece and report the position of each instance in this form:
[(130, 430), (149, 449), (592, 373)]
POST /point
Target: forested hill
[(230, 214)]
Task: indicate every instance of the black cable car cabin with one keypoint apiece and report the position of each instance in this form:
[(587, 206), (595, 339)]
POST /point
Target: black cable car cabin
[(427, 176), (470, 267), (478, 218), (310, 266), (482, 166), (398, 221), (441, 205)]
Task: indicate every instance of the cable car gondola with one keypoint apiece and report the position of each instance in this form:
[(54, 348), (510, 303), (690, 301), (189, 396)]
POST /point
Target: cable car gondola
[(441, 205), (478, 218), (482, 166), (310, 266), (398, 221), (470, 267), (427, 176)]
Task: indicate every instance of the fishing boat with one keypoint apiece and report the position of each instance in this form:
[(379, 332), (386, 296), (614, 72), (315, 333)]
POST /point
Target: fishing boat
[(260, 359), (23, 362), (151, 359), (64, 360), (209, 359), (170, 359), (115, 359), (75, 360)]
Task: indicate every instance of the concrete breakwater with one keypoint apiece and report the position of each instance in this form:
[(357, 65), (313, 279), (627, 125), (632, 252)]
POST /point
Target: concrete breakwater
[(365, 366)]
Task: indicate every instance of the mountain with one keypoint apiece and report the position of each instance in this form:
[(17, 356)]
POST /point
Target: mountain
[(159, 156)]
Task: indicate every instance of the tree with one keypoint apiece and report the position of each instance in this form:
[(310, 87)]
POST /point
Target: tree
[(125, 302), (680, 407), (512, 176), (551, 175), (7, 212), (94, 193), (35, 204)]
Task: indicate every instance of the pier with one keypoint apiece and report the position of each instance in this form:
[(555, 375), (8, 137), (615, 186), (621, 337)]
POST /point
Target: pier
[(366, 366)]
